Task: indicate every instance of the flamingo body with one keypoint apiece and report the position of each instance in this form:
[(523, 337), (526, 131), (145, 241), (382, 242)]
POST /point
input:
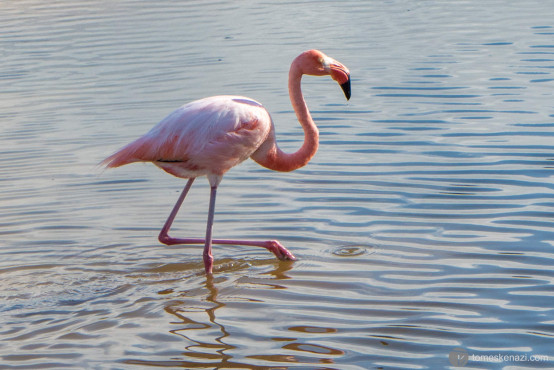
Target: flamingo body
[(209, 136), (205, 137)]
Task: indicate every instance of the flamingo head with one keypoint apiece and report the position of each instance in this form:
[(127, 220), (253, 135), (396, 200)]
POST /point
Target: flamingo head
[(315, 63)]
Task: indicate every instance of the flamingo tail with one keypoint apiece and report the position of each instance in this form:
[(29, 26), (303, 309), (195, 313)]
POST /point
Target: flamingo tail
[(137, 151)]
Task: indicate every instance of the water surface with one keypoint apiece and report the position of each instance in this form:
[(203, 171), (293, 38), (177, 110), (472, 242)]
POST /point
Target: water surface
[(423, 224)]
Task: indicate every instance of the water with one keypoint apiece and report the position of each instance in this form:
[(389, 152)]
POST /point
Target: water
[(423, 224)]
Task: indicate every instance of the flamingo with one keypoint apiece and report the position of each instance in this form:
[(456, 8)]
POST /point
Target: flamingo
[(209, 136)]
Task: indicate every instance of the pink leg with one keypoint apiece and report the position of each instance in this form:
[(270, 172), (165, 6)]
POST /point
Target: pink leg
[(271, 245)]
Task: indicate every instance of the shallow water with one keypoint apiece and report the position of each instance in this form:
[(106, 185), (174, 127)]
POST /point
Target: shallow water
[(424, 223)]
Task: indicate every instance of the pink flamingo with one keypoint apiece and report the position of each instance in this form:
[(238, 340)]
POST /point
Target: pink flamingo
[(209, 136)]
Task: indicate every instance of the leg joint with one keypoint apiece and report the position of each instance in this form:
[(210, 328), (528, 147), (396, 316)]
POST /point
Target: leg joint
[(164, 238)]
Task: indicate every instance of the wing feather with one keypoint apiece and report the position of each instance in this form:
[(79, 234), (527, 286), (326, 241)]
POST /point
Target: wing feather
[(211, 134)]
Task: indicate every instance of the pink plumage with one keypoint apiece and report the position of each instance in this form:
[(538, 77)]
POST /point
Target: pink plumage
[(209, 136)]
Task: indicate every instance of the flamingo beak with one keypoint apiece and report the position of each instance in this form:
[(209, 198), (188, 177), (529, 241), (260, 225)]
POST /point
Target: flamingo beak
[(341, 74), (346, 88)]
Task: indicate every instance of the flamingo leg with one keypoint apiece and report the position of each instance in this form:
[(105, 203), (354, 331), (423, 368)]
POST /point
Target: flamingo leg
[(208, 258), (273, 246), (163, 237)]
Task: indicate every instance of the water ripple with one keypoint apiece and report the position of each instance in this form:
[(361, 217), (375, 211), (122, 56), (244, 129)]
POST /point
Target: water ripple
[(423, 224)]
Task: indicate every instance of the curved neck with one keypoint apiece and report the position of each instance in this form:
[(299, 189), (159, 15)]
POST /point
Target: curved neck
[(274, 158)]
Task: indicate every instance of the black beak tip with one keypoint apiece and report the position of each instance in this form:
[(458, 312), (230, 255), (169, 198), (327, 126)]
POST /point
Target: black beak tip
[(346, 89)]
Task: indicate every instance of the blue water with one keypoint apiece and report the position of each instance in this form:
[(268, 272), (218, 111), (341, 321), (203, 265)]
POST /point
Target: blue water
[(424, 224)]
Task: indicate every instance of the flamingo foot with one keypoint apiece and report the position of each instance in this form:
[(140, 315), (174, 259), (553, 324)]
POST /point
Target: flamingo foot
[(278, 250)]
